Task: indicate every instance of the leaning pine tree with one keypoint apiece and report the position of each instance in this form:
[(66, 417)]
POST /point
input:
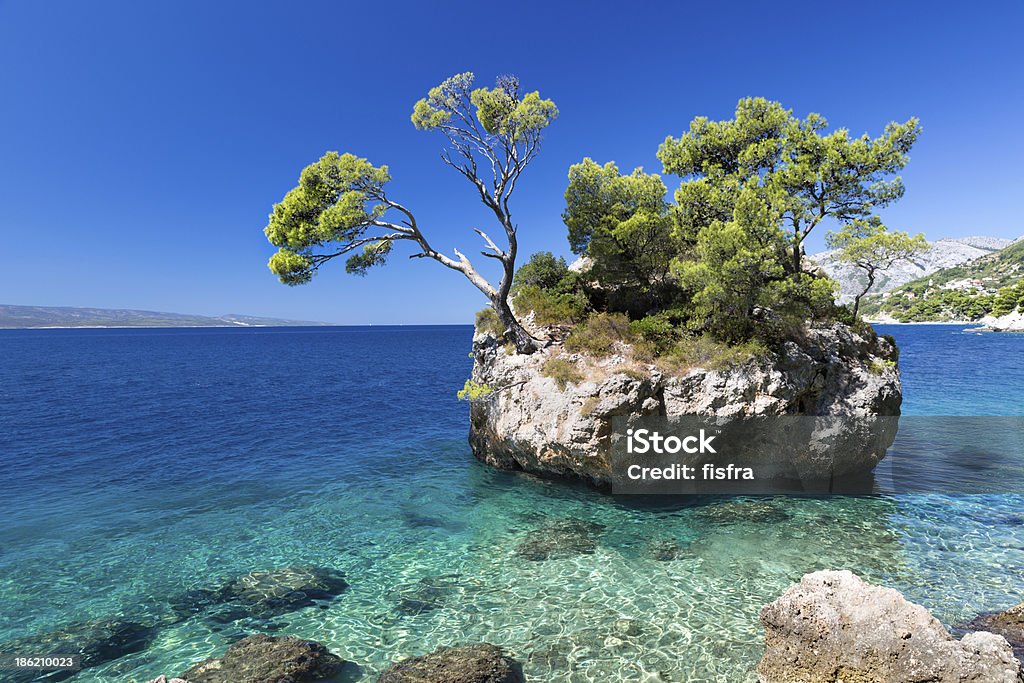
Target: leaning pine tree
[(340, 206)]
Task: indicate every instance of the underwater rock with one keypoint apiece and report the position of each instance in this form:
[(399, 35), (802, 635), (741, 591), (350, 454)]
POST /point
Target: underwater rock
[(743, 511), (560, 538), (278, 591), (475, 663), (268, 659), (1009, 624), (98, 641), (529, 423), (262, 594), (426, 595), (833, 627), (665, 549), (164, 679)]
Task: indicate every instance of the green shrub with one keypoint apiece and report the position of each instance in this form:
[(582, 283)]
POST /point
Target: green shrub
[(597, 335), (562, 371), (471, 391), (487, 321), (879, 366), (543, 270), (710, 354), (658, 331), (549, 308)]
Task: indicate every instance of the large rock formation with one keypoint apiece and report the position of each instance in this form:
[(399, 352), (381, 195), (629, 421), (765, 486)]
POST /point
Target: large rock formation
[(847, 379), (833, 627)]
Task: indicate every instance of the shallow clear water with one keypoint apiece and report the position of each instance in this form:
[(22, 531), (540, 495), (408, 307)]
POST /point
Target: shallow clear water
[(137, 465)]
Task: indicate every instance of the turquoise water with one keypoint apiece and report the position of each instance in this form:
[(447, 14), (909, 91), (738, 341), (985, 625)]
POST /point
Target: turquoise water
[(141, 465)]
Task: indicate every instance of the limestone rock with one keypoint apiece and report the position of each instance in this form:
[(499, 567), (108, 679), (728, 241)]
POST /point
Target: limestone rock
[(846, 380), (476, 663), (1009, 624), (833, 627), (268, 659)]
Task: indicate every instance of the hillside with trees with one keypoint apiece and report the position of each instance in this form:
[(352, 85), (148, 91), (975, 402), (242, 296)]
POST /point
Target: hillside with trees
[(992, 285)]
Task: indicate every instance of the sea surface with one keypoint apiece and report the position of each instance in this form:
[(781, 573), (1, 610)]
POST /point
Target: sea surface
[(139, 466)]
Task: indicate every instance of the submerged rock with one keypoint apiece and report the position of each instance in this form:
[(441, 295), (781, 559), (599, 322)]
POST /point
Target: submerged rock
[(263, 594), (743, 511), (278, 591), (97, 641), (560, 538), (476, 663), (833, 627), (426, 595), (1009, 624), (665, 550), (268, 659), (529, 423)]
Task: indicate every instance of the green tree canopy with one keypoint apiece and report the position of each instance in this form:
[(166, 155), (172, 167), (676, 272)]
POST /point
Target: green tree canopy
[(868, 245), (808, 173), (622, 223), (341, 206)]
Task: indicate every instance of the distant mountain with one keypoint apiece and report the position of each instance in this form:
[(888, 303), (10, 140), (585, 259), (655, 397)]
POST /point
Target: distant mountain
[(989, 285), (65, 316), (944, 253)]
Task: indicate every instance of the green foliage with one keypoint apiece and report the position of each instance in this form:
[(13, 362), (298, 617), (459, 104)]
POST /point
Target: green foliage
[(806, 175), (599, 333), (868, 245), (334, 202), (622, 223), (544, 270), (656, 334), (1008, 300), (732, 268), (501, 110), (549, 308), (562, 371), (472, 391), (487, 321), (881, 366), (546, 286)]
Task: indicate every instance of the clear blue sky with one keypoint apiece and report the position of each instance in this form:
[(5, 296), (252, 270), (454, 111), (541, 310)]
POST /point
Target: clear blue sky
[(142, 144)]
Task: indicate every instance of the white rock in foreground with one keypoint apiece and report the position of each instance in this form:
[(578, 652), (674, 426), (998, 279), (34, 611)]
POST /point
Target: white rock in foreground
[(833, 627)]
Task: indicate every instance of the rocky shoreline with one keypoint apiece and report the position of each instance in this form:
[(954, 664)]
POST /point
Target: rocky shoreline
[(831, 627)]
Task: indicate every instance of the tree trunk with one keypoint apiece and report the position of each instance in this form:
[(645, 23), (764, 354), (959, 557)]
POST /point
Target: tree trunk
[(524, 343), (856, 299)]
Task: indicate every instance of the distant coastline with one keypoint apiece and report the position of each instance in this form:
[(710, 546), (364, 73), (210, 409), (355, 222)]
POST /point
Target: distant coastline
[(69, 317)]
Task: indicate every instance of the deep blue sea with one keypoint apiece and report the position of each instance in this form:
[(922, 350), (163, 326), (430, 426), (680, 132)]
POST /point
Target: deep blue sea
[(139, 465)]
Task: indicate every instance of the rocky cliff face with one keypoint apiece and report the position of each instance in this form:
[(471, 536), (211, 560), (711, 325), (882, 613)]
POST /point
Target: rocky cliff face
[(833, 627), (528, 422)]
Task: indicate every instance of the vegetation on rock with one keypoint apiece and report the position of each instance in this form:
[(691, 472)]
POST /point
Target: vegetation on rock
[(718, 275)]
